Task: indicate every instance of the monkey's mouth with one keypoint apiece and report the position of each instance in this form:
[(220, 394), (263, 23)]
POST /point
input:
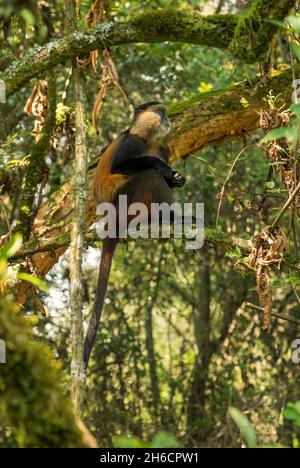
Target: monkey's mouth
[(166, 128)]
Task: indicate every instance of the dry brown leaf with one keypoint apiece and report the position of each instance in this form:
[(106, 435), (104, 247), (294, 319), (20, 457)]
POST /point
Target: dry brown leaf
[(267, 251), (37, 104)]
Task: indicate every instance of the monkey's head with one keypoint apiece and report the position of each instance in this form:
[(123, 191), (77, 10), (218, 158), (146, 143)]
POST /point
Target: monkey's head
[(151, 122)]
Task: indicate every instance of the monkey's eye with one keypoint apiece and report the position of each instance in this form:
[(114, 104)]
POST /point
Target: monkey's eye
[(162, 113)]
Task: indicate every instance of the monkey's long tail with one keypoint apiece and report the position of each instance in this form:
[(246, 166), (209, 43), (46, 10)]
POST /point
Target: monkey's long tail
[(108, 250)]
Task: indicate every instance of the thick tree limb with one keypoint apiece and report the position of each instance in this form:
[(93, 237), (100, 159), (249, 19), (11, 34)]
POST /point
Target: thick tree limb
[(246, 36), (212, 117), (153, 26)]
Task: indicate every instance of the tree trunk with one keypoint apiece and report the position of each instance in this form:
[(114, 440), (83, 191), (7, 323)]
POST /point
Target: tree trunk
[(150, 341), (77, 236)]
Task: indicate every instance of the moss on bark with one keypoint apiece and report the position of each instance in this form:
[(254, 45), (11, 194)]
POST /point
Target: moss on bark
[(32, 402), (254, 31)]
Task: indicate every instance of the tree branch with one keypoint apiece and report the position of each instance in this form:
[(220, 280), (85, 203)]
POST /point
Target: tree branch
[(246, 36), (227, 113), (50, 245)]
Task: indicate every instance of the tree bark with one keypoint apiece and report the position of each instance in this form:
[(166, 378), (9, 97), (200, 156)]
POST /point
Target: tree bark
[(224, 114)]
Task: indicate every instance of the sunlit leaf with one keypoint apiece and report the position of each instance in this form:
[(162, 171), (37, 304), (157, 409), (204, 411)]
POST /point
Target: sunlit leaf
[(294, 22), (295, 108), (28, 17), (278, 23), (245, 427), (270, 185), (12, 246), (130, 442), (165, 440), (274, 134), (291, 134), (33, 280)]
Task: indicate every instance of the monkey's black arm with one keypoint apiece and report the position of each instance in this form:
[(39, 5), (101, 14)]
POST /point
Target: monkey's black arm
[(142, 163), (131, 157), (177, 180)]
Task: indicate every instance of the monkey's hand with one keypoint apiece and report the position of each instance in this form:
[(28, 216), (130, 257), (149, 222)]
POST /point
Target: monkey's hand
[(177, 180)]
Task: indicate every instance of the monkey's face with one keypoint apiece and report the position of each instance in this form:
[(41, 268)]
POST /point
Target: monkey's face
[(152, 124), (165, 125)]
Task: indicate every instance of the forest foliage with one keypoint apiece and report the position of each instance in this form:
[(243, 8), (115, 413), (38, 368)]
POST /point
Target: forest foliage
[(183, 357)]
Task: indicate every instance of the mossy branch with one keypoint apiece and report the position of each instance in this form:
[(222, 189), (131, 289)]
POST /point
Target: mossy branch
[(50, 244), (226, 113), (254, 30), (238, 33)]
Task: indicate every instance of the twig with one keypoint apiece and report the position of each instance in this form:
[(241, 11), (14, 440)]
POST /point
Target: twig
[(228, 177), (285, 207), (273, 314)]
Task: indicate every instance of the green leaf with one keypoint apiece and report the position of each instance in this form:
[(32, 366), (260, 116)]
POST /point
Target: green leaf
[(165, 440), (291, 134), (245, 427), (270, 185), (12, 246), (291, 415), (236, 253), (280, 24), (295, 108), (273, 446), (296, 50), (130, 442), (275, 134), (293, 280), (294, 22), (28, 17), (33, 280)]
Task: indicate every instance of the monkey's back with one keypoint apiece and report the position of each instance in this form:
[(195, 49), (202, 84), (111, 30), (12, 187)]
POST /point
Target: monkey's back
[(107, 184), (146, 187)]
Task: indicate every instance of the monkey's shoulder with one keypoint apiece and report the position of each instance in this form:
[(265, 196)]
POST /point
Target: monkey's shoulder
[(125, 144), (130, 146)]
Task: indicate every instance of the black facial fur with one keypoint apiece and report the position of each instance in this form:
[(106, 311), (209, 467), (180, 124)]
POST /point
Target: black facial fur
[(161, 113), (145, 106)]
